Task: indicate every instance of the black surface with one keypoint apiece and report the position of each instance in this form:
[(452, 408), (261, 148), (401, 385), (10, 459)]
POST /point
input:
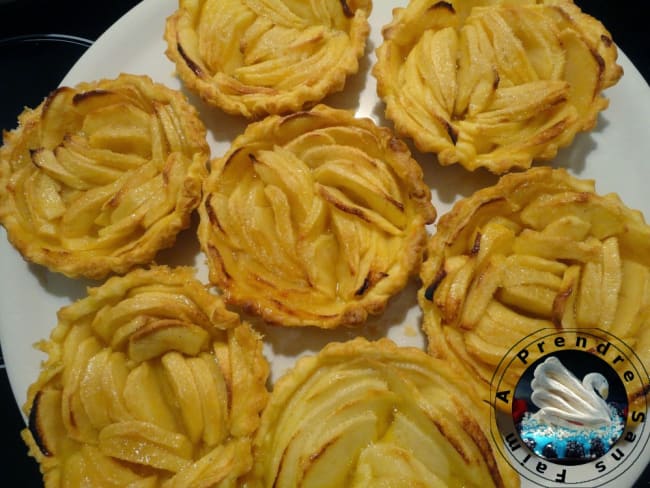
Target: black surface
[(28, 55), (88, 20), (625, 22)]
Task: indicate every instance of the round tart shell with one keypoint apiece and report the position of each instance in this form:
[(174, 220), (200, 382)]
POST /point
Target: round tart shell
[(540, 250), (316, 218), (148, 380), (494, 84), (99, 177), (366, 413), (255, 58)]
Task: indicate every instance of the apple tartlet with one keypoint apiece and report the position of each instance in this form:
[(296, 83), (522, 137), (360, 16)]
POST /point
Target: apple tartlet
[(253, 58), (315, 218), (540, 250), (101, 176), (364, 413), (494, 84), (148, 381)]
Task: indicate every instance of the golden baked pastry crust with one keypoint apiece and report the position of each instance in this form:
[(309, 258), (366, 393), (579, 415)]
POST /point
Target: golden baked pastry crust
[(494, 84), (315, 218), (259, 57), (366, 413), (101, 176), (148, 381), (538, 250)]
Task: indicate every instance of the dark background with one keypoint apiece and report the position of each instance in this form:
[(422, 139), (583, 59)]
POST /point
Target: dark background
[(44, 70)]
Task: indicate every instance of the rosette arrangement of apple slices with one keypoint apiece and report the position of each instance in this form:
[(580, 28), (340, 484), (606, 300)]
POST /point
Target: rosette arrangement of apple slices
[(314, 218), (494, 84), (259, 57), (538, 250), (362, 413), (101, 176), (149, 381)]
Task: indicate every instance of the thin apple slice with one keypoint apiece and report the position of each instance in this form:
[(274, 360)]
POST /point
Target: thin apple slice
[(157, 337), (146, 444), (58, 118)]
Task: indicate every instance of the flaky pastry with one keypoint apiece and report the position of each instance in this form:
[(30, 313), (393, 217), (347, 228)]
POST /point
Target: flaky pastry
[(315, 218), (540, 250), (101, 176), (149, 381), (258, 57), (494, 84), (362, 414)]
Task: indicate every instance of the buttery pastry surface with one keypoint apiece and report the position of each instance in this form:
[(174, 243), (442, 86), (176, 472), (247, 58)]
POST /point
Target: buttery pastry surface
[(101, 176), (258, 57), (539, 250), (316, 218), (364, 413), (494, 84), (148, 381)]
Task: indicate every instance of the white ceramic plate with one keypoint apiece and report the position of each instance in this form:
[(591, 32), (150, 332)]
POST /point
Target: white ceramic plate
[(614, 154)]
